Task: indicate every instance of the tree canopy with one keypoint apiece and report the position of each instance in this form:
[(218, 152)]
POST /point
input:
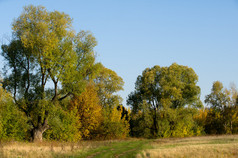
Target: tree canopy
[(162, 88), (46, 49)]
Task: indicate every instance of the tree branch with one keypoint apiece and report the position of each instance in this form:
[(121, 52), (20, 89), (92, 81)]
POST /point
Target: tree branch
[(64, 96)]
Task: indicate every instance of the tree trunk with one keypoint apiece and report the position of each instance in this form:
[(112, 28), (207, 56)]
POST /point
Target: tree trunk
[(155, 124), (37, 135)]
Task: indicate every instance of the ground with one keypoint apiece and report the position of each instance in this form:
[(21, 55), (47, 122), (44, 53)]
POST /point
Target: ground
[(206, 146)]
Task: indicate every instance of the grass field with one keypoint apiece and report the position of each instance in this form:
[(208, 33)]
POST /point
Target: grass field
[(207, 146)]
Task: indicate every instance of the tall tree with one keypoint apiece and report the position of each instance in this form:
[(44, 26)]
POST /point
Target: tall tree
[(219, 97), (161, 88), (115, 116), (108, 84), (46, 49), (223, 111)]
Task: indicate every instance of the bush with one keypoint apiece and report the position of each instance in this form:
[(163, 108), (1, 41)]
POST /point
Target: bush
[(13, 123), (64, 125)]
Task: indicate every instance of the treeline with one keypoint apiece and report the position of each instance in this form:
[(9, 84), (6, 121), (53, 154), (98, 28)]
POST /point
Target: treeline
[(53, 88), (166, 103)]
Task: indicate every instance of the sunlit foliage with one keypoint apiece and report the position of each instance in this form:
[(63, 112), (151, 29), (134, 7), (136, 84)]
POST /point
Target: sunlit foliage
[(45, 49), (163, 101), (89, 112), (13, 123), (222, 117)]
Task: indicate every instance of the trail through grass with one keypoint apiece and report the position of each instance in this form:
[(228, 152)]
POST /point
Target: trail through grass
[(198, 147), (126, 149)]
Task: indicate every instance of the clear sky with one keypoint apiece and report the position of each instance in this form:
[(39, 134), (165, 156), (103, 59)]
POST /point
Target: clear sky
[(135, 34)]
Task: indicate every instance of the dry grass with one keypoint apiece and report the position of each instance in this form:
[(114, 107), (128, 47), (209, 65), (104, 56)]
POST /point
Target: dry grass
[(199, 147), (209, 146), (48, 149)]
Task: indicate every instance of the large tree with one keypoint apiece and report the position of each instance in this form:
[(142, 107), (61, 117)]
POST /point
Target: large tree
[(163, 88), (45, 49)]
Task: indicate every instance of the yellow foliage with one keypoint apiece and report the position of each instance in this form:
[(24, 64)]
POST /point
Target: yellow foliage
[(89, 110), (201, 116), (114, 124), (4, 95), (115, 115)]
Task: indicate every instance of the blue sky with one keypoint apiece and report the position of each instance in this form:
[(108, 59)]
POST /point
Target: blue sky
[(135, 34)]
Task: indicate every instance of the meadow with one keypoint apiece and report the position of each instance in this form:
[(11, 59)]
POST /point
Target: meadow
[(225, 146), (205, 146)]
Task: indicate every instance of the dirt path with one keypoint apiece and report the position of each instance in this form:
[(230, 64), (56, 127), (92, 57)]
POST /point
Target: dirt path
[(119, 149), (98, 153), (124, 153)]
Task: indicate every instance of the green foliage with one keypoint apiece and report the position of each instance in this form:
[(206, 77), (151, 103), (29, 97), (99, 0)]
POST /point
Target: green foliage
[(13, 123), (141, 123), (178, 123), (113, 125), (164, 100), (109, 83), (63, 124), (162, 87), (214, 123), (114, 116), (83, 101), (46, 49), (219, 97), (222, 117), (170, 122)]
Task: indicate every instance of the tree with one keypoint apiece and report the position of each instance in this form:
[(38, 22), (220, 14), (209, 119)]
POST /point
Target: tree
[(89, 111), (223, 111), (219, 98), (46, 49), (164, 88), (108, 83), (113, 125), (141, 122), (115, 122)]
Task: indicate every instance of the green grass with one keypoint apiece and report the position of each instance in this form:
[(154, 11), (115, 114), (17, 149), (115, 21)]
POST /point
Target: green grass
[(126, 149)]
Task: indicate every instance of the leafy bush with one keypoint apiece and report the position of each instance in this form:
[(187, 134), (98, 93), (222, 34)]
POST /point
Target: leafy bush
[(13, 123), (64, 125)]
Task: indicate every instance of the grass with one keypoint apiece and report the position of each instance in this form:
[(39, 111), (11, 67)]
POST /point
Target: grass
[(207, 146), (126, 149), (84, 149)]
